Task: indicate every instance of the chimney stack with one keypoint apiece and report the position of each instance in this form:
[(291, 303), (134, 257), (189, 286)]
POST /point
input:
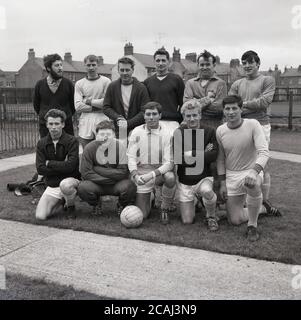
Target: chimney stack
[(128, 49), (68, 57), (176, 57), (234, 63), (31, 54), (191, 57), (100, 59)]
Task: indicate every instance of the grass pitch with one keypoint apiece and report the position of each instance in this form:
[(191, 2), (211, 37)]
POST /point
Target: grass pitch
[(280, 237)]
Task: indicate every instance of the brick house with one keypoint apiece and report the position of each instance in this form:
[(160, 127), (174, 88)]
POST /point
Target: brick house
[(7, 79), (186, 68), (33, 70)]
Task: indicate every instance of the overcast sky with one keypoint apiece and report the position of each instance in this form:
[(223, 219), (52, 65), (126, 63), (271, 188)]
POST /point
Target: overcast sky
[(225, 27)]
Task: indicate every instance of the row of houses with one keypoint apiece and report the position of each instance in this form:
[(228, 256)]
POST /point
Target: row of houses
[(33, 69)]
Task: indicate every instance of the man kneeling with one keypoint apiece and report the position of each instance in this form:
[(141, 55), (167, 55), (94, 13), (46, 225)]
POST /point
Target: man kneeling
[(196, 146), (57, 160), (150, 161), (242, 155), (104, 170)]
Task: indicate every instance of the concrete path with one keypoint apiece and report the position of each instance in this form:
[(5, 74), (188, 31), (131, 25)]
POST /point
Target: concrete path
[(15, 162), (133, 269), (286, 156)]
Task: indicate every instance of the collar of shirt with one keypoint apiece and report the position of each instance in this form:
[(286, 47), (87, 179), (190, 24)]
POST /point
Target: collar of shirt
[(214, 77), (153, 131), (53, 82)]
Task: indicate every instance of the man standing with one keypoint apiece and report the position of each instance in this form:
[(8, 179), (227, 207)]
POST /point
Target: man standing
[(125, 97), (208, 89), (57, 160), (54, 91), (257, 92), (150, 161), (194, 142), (167, 89), (240, 164), (89, 96), (104, 170)]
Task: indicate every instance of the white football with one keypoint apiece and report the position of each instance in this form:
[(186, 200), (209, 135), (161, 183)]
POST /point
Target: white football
[(131, 217)]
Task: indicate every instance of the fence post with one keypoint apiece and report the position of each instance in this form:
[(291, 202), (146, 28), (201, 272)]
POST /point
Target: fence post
[(4, 106), (290, 111)]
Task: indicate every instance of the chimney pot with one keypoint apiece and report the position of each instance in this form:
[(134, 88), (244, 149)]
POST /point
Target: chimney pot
[(31, 54), (128, 49), (68, 57), (100, 60)]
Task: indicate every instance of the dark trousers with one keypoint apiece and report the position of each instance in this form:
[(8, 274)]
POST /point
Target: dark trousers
[(68, 128), (90, 192)]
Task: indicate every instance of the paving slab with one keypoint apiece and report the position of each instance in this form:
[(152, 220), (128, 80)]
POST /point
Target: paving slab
[(16, 162), (286, 156), (15, 235), (132, 269)]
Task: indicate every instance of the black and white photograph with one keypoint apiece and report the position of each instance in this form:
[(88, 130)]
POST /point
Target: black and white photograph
[(150, 153)]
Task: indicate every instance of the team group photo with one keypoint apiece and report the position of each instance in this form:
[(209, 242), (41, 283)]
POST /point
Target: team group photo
[(135, 162)]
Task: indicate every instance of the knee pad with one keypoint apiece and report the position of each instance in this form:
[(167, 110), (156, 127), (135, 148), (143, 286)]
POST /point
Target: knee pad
[(69, 186)]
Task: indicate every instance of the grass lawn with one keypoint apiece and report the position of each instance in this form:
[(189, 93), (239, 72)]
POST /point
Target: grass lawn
[(280, 237), (286, 141), (24, 288)]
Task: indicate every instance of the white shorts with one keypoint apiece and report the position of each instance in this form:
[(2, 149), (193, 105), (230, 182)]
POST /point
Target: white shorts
[(150, 185), (186, 193), (54, 192), (235, 182), (88, 122), (267, 132)]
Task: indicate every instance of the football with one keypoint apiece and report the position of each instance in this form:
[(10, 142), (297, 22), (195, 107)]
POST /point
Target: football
[(131, 217)]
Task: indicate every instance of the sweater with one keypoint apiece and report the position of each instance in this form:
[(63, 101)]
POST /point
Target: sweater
[(194, 89), (197, 146), (104, 166), (257, 95), (241, 148), (113, 104), (63, 159), (169, 93), (44, 99)]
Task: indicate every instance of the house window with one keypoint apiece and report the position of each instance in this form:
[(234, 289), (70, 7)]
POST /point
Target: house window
[(299, 80)]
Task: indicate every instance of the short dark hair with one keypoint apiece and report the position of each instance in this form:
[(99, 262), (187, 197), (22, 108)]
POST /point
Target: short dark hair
[(126, 60), (105, 124), (206, 55), (232, 99), (250, 56), (152, 105), (162, 51), (56, 113), (91, 57), (50, 59)]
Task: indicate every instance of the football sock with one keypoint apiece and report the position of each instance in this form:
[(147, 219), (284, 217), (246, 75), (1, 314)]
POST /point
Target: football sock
[(210, 206), (253, 204), (266, 186)]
